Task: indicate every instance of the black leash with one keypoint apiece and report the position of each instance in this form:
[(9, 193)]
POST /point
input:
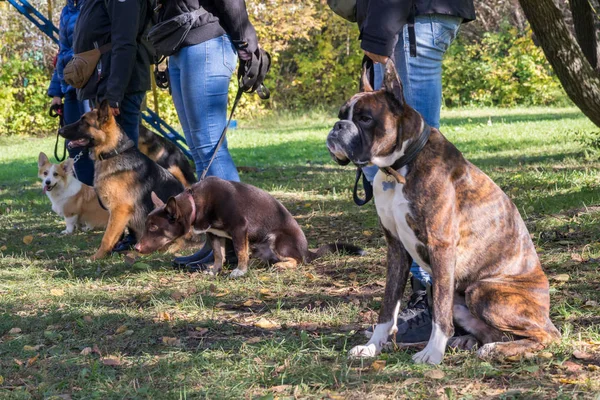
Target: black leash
[(56, 111), (367, 65)]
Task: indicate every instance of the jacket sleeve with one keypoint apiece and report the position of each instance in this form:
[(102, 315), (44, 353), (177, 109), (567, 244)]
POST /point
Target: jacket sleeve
[(234, 18), (382, 22), (125, 21), (54, 90)]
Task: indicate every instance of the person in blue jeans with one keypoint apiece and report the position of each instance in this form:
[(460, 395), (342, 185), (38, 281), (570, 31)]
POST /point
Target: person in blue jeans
[(199, 75), (418, 55), (62, 93)]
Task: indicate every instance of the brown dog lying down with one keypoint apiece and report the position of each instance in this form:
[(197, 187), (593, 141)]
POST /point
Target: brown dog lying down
[(257, 223)]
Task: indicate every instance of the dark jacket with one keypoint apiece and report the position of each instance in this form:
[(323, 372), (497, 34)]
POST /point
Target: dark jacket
[(381, 20), (126, 67), (68, 17), (223, 17)]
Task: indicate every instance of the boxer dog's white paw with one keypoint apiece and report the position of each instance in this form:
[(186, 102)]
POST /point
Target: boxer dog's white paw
[(236, 273), (366, 351), (487, 350), (428, 355)]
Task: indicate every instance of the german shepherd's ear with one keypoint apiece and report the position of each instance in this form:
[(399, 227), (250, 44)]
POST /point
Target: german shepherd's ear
[(156, 201), (172, 209), (104, 113), (67, 165), (391, 82), (42, 160)]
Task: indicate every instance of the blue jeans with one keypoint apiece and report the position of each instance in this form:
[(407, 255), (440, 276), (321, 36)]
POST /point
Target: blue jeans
[(199, 77), (130, 115), (421, 77), (73, 109)]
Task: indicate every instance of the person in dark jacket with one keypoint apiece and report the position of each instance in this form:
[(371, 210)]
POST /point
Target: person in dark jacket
[(61, 92), (123, 74), (199, 76), (384, 32)]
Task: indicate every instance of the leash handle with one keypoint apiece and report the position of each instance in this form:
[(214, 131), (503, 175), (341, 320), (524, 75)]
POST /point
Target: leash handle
[(367, 187), (56, 111), (238, 96)]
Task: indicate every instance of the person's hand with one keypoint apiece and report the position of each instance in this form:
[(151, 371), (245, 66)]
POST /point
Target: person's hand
[(376, 57), (115, 111), (56, 101)]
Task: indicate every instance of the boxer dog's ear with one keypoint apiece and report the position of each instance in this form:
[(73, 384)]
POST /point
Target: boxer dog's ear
[(365, 81), (391, 82)]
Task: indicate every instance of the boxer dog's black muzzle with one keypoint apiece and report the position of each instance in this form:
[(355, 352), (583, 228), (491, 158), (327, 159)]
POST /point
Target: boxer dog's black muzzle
[(345, 144)]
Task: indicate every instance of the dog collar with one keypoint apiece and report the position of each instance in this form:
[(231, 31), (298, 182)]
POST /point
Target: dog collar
[(193, 203), (411, 153), (115, 152)]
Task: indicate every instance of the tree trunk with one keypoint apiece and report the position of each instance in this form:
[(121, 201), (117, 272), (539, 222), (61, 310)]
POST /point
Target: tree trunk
[(585, 31), (578, 77)]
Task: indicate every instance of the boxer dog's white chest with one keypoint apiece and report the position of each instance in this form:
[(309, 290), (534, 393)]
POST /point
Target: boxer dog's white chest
[(392, 208)]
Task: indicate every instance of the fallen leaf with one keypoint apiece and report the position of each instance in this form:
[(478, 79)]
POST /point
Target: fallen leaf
[(32, 360), (367, 233), (280, 388), (251, 302), (309, 326), (571, 366), (87, 318), (129, 259), (514, 358), (310, 276), (111, 361), (96, 350), (32, 348), (222, 293), (86, 351), (3, 248), (410, 381), (582, 355), (561, 277), (220, 304), (171, 341), (27, 239), (352, 275), (57, 292), (545, 355), (177, 295), (14, 331), (592, 367), (121, 329), (18, 362), (267, 324), (40, 251), (1, 379), (378, 365), (434, 374), (164, 316), (252, 340), (590, 304)]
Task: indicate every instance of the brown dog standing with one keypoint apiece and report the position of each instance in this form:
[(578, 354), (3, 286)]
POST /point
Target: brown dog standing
[(440, 210), (124, 177), (255, 221)]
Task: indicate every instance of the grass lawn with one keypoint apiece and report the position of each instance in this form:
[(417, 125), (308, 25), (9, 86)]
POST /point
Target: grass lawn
[(121, 330)]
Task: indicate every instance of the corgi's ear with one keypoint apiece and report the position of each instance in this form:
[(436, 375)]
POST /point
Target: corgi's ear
[(105, 114), (172, 209), (42, 160), (156, 201), (67, 165)]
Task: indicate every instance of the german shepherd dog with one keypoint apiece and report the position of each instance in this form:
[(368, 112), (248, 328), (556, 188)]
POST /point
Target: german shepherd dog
[(124, 177), (167, 155)]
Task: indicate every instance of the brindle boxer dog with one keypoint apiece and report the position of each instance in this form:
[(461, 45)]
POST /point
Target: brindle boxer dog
[(440, 210)]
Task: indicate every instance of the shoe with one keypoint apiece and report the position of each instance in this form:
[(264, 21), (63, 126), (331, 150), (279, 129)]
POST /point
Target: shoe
[(415, 321), (125, 244), (181, 262), (209, 259)]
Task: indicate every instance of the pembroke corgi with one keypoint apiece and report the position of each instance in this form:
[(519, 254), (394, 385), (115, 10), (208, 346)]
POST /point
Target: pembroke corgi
[(71, 199)]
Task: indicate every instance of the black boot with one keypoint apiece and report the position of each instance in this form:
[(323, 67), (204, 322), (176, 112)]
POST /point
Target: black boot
[(201, 265), (182, 262), (126, 243)]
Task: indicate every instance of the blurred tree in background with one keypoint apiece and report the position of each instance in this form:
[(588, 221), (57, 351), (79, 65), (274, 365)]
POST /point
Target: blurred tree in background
[(316, 63)]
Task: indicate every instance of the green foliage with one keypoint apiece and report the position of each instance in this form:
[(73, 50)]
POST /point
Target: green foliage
[(502, 69)]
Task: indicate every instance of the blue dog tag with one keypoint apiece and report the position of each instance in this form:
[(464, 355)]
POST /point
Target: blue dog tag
[(387, 185)]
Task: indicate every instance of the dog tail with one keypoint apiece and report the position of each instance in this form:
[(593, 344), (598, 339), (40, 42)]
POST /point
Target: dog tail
[(188, 172), (335, 248)]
